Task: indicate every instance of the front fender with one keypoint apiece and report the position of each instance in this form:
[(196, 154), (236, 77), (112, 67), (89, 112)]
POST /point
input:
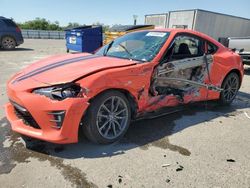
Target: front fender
[(135, 80)]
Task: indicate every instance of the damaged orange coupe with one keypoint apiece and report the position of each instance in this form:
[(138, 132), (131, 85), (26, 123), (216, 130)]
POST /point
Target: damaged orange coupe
[(141, 72)]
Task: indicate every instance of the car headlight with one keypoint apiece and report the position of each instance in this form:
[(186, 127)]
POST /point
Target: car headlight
[(60, 92)]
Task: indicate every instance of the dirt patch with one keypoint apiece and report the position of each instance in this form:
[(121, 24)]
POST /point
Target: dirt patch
[(18, 153), (165, 144)]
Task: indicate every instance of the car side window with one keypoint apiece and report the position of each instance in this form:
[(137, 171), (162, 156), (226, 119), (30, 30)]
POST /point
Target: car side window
[(187, 46), (184, 46), (9, 23), (211, 48)]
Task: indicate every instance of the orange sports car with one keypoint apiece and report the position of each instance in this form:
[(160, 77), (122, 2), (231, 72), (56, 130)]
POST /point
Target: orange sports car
[(55, 98)]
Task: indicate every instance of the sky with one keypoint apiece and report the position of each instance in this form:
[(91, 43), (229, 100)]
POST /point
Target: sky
[(110, 12)]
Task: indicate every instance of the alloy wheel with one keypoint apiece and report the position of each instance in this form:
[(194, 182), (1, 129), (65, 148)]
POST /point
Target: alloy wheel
[(8, 43), (112, 117), (231, 87)]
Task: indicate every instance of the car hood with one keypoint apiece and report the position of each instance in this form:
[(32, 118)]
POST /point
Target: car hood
[(67, 68)]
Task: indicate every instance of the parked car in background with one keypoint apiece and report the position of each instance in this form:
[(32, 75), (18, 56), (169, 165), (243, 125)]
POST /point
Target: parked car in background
[(131, 77), (10, 34), (242, 46)]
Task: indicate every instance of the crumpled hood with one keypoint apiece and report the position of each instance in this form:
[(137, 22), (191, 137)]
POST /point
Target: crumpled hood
[(66, 68)]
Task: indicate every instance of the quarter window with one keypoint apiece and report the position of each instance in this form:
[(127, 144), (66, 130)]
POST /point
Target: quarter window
[(211, 48), (9, 23)]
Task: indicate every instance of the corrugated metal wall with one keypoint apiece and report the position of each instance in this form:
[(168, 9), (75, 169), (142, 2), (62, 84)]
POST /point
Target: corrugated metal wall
[(159, 20), (181, 19), (213, 24), (219, 25)]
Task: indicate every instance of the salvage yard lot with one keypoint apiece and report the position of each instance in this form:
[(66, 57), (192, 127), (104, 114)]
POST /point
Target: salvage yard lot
[(205, 145)]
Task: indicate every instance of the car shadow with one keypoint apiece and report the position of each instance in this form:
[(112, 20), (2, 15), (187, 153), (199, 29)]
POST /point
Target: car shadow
[(243, 95), (17, 49), (145, 133), (247, 70)]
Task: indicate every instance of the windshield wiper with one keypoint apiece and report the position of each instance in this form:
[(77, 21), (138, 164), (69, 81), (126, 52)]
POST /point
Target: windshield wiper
[(108, 47), (126, 50)]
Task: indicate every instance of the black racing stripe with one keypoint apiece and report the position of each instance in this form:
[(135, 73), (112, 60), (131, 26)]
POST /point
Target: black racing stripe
[(51, 65), (55, 65)]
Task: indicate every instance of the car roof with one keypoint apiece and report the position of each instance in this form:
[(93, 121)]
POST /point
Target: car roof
[(4, 18), (172, 30), (188, 31)]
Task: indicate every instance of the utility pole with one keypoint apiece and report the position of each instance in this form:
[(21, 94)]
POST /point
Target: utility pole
[(135, 19)]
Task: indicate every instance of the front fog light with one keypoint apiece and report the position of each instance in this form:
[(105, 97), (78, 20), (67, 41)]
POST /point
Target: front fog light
[(58, 117)]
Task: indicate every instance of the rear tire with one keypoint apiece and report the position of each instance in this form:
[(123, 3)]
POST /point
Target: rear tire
[(107, 118), (230, 86), (8, 43)]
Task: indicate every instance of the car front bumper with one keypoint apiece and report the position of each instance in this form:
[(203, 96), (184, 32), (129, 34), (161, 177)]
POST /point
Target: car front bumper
[(33, 115)]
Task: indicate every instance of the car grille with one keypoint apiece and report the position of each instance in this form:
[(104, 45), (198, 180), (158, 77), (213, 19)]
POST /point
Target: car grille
[(23, 114)]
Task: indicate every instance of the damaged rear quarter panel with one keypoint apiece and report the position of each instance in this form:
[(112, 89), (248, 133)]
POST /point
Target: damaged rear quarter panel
[(225, 61)]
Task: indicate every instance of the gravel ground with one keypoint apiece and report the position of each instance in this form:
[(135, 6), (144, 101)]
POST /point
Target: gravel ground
[(205, 145)]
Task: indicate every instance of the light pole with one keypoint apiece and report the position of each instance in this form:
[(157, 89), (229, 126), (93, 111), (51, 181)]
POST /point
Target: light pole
[(135, 19)]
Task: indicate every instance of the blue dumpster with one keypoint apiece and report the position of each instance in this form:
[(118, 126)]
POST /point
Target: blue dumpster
[(84, 39)]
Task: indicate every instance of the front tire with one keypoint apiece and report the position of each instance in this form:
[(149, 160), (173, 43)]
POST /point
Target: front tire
[(8, 43), (107, 118), (230, 86)]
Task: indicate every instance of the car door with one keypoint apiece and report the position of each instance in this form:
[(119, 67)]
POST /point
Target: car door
[(183, 70)]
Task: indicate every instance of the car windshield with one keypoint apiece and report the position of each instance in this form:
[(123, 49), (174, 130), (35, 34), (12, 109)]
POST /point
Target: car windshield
[(140, 46)]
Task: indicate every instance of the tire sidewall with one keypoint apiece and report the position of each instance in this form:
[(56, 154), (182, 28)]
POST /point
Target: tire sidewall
[(91, 116), (2, 46), (222, 99)]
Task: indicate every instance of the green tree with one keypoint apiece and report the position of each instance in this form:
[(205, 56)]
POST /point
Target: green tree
[(104, 27), (54, 26), (43, 24), (40, 24), (72, 25)]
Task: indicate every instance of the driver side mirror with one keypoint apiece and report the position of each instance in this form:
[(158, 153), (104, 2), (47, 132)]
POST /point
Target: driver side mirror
[(233, 49), (241, 50), (237, 50)]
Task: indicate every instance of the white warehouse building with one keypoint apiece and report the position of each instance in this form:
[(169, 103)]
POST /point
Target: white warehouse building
[(214, 24)]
